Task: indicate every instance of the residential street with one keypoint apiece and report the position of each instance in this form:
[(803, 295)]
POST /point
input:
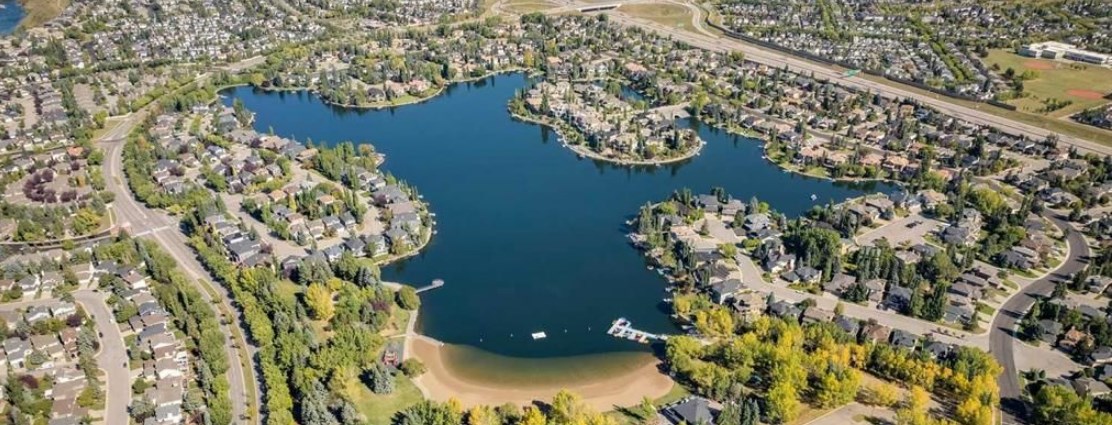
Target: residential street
[(112, 357), (163, 229), (751, 275), (1003, 333)]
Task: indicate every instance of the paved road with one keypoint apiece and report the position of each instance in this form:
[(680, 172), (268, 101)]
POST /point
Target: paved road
[(1002, 338), (751, 275), (112, 357), (164, 230), (893, 90)]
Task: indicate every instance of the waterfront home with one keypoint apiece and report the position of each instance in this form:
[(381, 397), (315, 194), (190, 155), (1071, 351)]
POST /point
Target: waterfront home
[(693, 410), (723, 291)]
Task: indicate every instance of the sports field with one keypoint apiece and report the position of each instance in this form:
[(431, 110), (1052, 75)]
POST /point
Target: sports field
[(1083, 84)]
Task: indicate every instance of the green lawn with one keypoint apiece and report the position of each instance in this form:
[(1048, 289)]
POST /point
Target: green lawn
[(1055, 81), (528, 6), (665, 14), (399, 318), (380, 409), (1062, 126), (627, 417), (38, 12)]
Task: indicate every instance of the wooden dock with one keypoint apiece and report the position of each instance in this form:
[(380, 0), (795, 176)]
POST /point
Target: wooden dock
[(436, 283), (623, 328)]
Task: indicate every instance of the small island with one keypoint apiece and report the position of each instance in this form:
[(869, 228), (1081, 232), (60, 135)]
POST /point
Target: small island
[(596, 122)]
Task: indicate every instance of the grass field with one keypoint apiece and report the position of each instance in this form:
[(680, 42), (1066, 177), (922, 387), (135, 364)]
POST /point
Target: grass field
[(671, 15), (1061, 126), (380, 409), (1082, 84), (528, 6), (38, 12)]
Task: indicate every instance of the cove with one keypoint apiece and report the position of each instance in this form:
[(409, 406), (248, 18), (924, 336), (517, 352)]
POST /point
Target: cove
[(529, 236), (11, 12)]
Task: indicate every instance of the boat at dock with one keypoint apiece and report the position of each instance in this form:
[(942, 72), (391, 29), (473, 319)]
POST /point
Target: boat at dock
[(623, 328)]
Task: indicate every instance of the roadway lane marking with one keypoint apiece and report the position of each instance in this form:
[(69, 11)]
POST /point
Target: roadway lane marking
[(150, 231)]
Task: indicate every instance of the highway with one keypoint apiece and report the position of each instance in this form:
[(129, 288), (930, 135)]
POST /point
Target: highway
[(777, 59), (1003, 335)]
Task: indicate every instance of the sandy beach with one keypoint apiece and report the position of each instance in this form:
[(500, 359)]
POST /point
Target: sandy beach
[(605, 393)]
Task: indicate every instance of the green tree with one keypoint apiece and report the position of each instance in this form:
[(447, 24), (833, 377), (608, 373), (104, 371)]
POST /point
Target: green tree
[(407, 298)]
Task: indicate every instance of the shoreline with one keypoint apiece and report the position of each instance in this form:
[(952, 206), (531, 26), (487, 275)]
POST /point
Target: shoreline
[(587, 153), (761, 138), (603, 392), (424, 97)]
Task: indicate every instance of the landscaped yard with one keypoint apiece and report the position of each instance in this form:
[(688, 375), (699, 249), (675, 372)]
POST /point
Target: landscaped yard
[(1083, 84), (380, 409), (671, 15), (628, 416)]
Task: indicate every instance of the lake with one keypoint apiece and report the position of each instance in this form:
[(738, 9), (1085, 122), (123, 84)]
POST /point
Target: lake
[(530, 237), (11, 12)]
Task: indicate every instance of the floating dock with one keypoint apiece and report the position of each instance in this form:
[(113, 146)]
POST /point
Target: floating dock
[(539, 335), (623, 328)]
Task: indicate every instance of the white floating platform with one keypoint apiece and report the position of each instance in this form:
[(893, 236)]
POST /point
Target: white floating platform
[(539, 335)]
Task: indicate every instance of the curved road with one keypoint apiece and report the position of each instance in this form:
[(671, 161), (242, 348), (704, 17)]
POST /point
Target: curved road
[(111, 358), (1003, 338), (164, 230)]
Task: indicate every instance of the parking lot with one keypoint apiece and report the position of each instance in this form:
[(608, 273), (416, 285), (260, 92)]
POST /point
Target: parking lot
[(910, 230)]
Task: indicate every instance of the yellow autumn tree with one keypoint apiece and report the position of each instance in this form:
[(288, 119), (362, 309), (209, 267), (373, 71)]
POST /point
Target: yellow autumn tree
[(319, 300), (533, 416)]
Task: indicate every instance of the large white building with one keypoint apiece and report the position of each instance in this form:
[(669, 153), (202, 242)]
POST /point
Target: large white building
[(1056, 50)]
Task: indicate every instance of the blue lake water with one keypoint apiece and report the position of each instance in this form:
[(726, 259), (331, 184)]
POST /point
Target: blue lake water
[(11, 12), (530, 237)]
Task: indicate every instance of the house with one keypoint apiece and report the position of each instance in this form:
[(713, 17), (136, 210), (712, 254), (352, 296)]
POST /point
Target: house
[(1101, 355), (875, 332), (817, 315), (848, 324), (939, 350), (1072, 339), (898, 297), (725, 290), (904, 339), (16, 351), (1089, 387), (750, 304), (784, 310), (1049, 330), (839, 284), (692, 411), (805, 274)]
